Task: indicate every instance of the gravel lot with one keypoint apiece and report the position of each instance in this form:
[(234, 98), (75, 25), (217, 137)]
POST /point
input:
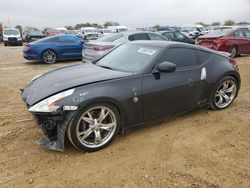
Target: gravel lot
[(201, 149)]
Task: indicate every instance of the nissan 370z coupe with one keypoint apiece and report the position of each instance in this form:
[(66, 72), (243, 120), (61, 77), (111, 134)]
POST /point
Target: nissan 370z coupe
[(136, 84)]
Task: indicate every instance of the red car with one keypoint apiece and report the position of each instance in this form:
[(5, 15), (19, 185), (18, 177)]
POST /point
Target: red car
[(233, 41)]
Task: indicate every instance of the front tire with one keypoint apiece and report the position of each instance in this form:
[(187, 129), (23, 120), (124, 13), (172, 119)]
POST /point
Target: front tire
[(49, 56), (224, 93), (94, 127), (234, 51)]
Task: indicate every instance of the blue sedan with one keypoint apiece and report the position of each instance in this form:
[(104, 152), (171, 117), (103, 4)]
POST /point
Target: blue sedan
[(51, 49)]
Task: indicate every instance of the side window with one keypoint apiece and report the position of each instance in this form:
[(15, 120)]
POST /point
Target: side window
[(68, 39), (179, 36), (247, 34), (182, 57), (139, 36), (153, 36), (54, 39), (239, 33), (169, 35)]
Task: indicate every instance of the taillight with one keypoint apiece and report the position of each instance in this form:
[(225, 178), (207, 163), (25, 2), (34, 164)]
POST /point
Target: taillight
[(102, 48), (234, 63), (26, 47), (220, 42)]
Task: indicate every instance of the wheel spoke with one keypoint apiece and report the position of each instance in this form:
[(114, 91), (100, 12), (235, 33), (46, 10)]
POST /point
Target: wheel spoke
[(107, 127), (85, 133), (225, 86), (229, 90), (98, 137), (88, 119), (103, 115), (220, 100), (226, 97)]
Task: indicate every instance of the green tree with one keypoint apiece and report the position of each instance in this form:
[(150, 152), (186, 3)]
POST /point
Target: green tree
[(69, 27), (215, 24), (19, 27), (157, 26), (229, 22), (110, 23), (243, 23)]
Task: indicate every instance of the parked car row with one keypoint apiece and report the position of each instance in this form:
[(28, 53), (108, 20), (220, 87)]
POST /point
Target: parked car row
[(71, 46)]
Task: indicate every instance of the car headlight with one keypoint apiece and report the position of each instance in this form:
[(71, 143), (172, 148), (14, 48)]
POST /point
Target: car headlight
[(50, 104), (5, 38)]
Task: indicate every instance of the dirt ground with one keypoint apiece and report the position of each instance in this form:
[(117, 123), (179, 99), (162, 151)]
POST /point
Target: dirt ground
[(200, 149)]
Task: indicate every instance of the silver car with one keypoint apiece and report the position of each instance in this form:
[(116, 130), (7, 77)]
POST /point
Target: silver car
[(94, 50)]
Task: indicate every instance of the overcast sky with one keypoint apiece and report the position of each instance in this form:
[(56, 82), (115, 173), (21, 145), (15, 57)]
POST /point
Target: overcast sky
[(133, 13)]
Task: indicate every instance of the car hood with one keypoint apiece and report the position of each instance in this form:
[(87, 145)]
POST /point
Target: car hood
[(65, 78)]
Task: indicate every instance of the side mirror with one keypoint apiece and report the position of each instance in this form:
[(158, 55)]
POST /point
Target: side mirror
[(166, 67)]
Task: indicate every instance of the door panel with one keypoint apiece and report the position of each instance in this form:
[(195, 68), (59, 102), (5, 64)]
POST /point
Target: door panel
[(172, 93)]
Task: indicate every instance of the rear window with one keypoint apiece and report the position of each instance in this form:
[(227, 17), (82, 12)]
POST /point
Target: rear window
[(111, 37), (218, 33)]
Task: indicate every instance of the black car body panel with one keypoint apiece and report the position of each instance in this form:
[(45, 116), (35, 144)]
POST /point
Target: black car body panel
[(66, 78), (139, 97)]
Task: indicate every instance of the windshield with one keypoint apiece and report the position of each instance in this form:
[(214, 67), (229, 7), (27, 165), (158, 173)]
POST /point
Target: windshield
[(89, 31), (36, 33), (111, 38), (129, 58), (122, 29), (11, 32), (218, 33), (202, 28), (107, 31)]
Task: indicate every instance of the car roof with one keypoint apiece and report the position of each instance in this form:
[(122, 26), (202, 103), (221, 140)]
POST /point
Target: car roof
[(164, 44), (135, 32), (167, 44)]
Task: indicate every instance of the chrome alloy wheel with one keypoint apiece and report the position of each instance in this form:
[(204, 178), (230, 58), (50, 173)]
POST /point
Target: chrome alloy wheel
[(96, 127), (49, 56), (225, 94)]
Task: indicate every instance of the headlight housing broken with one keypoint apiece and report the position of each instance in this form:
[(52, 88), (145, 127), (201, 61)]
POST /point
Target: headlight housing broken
[(50, 104)]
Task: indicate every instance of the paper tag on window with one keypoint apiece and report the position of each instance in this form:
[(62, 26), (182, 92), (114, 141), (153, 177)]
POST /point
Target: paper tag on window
[(146, 51)]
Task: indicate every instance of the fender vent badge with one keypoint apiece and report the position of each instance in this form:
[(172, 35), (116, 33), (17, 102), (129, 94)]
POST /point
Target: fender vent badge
[(203, 73)]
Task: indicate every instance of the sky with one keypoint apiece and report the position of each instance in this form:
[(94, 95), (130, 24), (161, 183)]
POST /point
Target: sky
[(132, 13)]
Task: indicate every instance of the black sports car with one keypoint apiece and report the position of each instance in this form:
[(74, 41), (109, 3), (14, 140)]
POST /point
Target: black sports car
[(137, 83)]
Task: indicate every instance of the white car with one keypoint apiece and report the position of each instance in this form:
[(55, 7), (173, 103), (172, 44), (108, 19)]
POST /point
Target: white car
[(194, 31), (12, 36), (118, 29), (94, 50), (90, 33), (105, 32)]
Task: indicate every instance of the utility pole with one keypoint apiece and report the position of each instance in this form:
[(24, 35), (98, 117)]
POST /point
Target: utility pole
[(9, 22)]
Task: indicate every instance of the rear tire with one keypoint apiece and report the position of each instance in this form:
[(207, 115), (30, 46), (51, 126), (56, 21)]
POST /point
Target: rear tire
[(224, 93), (94, 127), (49, 56), (234, 51)]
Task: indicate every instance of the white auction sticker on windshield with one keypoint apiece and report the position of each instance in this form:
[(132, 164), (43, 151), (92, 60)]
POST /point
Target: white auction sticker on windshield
[(146, 51)]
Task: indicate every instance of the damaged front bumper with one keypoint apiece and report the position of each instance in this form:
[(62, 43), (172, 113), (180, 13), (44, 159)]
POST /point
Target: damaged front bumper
[(54, 126)]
